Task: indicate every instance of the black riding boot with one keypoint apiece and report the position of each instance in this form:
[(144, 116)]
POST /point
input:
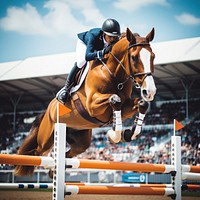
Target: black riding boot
[(63, 95)]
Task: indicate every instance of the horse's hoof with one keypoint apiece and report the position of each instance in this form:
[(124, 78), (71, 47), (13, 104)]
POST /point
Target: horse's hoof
[(126, 135), (114, 99), (143, 106), (114, 136), (51, 173)]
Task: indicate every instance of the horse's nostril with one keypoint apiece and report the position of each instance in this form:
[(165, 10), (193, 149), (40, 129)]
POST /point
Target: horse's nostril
[(144, 92)]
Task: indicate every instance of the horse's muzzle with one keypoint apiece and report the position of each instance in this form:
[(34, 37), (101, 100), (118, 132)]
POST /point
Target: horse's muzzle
[(148, 95)]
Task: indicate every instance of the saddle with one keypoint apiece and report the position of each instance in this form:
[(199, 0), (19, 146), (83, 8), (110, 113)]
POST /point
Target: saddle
[(79, 75), (77, 78)]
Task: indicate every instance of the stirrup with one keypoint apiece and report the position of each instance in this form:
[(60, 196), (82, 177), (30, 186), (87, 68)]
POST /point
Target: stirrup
[(63, 95)]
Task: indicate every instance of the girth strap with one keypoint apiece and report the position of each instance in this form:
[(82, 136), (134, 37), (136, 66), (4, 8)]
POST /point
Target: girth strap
[(83, 112)]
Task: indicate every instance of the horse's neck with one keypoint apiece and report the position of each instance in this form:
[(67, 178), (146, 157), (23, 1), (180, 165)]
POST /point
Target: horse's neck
[(120, 48), (118, 59)]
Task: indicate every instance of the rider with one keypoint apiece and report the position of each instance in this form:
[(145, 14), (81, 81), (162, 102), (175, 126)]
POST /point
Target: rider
[(91, 45)]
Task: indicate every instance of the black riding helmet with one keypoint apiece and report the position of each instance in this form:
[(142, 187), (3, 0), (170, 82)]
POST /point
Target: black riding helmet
[(111, 27)]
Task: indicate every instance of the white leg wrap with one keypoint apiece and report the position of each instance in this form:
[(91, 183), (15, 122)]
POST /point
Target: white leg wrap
[(118, 121), (115, 134), (138, 127)]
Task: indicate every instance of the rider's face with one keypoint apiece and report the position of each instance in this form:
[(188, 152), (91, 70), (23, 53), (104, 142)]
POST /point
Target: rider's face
[(111, 39)]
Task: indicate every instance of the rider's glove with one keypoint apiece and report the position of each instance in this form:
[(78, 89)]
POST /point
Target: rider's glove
[(107, 49)]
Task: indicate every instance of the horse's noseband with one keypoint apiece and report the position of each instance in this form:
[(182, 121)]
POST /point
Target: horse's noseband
[(137, 85), (120, 86)]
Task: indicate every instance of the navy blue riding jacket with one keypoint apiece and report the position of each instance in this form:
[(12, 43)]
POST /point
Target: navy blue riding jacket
[(94, 42)]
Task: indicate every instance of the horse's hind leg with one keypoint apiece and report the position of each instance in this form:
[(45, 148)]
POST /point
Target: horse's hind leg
[(79, 141), (39, 141), (29, 147), (45, 137)]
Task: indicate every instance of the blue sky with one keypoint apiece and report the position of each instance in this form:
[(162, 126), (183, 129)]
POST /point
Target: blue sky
[(31, 28)]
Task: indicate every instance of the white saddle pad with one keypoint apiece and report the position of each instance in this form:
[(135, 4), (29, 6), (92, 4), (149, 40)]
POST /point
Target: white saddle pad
[(76, 87)]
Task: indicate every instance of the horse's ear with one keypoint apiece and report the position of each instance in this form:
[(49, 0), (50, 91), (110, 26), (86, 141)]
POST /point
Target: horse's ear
[(130, 36), (150, 35)]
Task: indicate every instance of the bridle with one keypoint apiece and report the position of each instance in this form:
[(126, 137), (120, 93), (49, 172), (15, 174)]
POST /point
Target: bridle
[(132, 75)]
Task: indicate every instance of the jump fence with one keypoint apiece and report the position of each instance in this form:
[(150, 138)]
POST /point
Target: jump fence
[(178, 172)]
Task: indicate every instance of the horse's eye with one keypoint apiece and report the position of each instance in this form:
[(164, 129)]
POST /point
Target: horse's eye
[(134, 58)]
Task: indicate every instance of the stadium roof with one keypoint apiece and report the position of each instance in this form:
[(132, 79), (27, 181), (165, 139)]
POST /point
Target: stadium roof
[(31, 83)]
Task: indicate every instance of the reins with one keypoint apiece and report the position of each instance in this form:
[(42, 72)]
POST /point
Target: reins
[(132, 76)]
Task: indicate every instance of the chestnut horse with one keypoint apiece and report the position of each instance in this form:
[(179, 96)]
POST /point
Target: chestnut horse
[(105, 96)]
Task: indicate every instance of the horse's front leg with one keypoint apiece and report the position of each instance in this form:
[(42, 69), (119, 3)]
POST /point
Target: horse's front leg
[(128, 134), (114, 135), (143, 106)]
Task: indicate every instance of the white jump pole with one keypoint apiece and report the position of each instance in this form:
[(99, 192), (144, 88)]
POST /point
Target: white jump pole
[(59, 155), (59, 160), (190, 176), (176, 161)]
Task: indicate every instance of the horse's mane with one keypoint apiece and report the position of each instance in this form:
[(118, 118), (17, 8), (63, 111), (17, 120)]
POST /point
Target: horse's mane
[(123, 34)]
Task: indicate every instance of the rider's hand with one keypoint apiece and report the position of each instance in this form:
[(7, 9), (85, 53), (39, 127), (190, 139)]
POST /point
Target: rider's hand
[(107, 49)]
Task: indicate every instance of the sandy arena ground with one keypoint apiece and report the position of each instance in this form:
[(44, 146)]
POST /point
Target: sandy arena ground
[(29, 195)]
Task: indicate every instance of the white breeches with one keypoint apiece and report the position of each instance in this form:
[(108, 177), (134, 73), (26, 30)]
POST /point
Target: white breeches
[(80, 53)]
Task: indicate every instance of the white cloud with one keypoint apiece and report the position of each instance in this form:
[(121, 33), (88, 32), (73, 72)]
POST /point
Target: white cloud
[(60, 19), (88, 9), (137, 4), (188, 19), (23, 20)]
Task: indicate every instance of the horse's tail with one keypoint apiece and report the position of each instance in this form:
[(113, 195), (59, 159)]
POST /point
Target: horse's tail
[(29, 147)]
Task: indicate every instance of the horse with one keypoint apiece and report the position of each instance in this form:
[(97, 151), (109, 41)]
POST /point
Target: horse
[(104, 97)]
